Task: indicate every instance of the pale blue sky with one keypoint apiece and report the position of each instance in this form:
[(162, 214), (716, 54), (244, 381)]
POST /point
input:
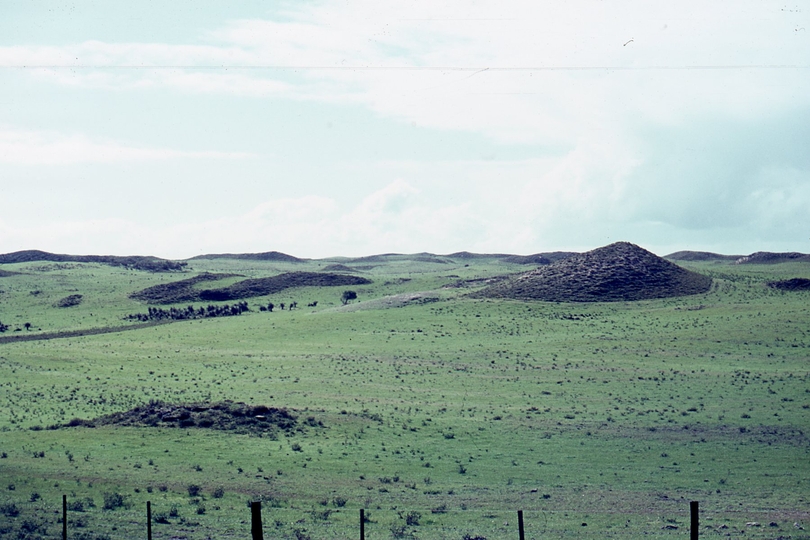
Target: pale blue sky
[(351, 128)]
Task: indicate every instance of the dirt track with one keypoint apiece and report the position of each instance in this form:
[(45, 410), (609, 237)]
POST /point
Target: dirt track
[(77, 333)]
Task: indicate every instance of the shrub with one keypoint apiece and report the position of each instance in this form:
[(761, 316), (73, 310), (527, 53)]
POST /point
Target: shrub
[(412, 518), (160, 517), (218, 493), (113, 500), (9, 510), (193, 490)]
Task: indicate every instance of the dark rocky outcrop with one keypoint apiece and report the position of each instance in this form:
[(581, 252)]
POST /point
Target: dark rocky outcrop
[(618, 272)]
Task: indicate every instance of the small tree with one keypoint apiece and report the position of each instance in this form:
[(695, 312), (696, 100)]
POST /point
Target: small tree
[(27, 326), (347, 296)]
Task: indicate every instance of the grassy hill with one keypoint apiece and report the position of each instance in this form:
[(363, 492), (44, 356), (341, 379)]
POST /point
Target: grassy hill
[(438, 413)]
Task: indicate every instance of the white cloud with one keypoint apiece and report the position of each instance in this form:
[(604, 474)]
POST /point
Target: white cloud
[(20, 147)]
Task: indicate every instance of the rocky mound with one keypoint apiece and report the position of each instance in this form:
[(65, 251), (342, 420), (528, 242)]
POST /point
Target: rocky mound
[(700, 256), (795, 284), (225, 416), (766, 257), (618, 272), (265, 256), (184, 290), (134, 262)]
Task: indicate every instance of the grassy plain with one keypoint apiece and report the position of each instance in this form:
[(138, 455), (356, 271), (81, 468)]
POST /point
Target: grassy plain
[(440, 417)]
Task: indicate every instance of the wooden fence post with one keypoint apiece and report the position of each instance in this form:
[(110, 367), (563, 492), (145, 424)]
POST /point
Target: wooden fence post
[(256, 520), (148, 520), (520, 525), (362, 525), (64, 517), (695, 511)]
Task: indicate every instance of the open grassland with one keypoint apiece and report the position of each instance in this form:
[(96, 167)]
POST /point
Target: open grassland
[(439, 414)]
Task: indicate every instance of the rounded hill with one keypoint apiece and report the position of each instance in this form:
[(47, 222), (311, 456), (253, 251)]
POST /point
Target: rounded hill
[(617, 272)]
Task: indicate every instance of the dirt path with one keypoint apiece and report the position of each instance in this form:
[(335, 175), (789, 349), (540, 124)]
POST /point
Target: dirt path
[(78, 333)]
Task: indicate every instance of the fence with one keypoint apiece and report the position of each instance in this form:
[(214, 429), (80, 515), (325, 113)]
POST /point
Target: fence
[(257, 531)]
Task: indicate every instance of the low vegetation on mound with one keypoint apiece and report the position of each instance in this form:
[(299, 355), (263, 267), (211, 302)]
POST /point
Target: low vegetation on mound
[(6, 273), (176, 292), (795, 284), (69, 301), (339, 268), (135, 262), (224, 416), (184, 291), (618, 272), (265, 256)]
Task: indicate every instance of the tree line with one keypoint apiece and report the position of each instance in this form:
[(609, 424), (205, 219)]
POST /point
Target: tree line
[(190, 312)]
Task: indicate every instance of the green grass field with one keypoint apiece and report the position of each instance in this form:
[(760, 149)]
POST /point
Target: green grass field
[(438, 414)]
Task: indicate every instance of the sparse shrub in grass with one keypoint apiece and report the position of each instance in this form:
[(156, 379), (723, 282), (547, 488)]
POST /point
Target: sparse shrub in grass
[(322, 515), (200, 509), (193, 490), (76, 506), (401, 531), (296, 447), (113, 500), (30, 526), (218, 493), (3, 455), (162, 488), (12, 487), (9, 510), (301, 534), (339, 502), (470, 537), (462, 469), (197, 468), (173, 512), (441, 509), (160, 517), (412, 518), (34, 497)]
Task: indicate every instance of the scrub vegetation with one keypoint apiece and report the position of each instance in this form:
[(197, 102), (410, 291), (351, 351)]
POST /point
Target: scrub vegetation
[(438, 412)]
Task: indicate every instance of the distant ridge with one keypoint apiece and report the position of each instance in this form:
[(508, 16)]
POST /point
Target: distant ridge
[(766, 257), (760, 257), (700, 256), (617, 272), (390, 257), (469, 255), (265, 256), (135, 262)]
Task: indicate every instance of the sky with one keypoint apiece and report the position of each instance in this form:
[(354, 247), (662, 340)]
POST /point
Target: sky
[(326, 128)]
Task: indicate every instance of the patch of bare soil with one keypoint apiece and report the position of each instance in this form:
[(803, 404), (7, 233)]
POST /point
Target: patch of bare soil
[(224, 416), (618, 272)]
